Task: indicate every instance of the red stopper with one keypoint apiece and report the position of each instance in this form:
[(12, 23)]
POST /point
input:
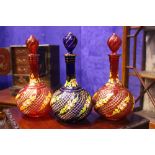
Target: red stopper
[(32, 44), (114, 43)]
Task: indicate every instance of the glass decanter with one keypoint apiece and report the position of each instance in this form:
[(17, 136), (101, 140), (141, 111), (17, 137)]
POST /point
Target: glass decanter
[(34, 99), (71, 102), (113, 101)]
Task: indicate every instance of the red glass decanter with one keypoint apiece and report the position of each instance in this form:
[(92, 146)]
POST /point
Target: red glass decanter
[(113, 101), (34, 99)]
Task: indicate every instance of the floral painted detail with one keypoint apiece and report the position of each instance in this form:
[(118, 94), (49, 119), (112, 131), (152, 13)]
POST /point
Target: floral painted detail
[(46, 101), (88, 100), (70, 104), (86, 106), (83, 110), (113, 81), (72, 83), (116, 111), (33, 80), (28, 102), (103, 101), (17, 96), (121, 106), (55, 99)]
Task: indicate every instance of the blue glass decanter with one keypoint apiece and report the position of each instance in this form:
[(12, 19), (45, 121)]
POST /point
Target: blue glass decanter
[(71, 103)]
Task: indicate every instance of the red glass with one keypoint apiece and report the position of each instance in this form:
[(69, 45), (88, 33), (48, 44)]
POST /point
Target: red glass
[(34, 99), (32, 44), (113, 101)]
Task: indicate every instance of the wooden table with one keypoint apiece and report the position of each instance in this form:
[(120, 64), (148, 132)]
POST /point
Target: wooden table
[(17, 120), (6, 98), (150, 116)]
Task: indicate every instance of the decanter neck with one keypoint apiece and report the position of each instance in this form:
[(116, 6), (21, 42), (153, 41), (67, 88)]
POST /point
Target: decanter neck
[(70, 70), (114, 63), (34, 68)]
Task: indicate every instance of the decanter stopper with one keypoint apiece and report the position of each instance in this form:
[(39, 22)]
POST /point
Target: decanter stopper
[(32, 44), (114, 43), (70, 42)]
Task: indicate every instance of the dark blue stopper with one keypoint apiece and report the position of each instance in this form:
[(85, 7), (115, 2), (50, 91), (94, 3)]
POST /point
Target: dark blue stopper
[(70, 42)]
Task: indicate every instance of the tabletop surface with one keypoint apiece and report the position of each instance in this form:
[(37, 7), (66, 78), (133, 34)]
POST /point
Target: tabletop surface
[(6, 97), (93, 121)]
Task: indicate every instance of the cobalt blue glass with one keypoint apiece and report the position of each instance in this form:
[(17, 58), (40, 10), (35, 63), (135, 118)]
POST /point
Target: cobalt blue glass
[(71, 103), (70, 42)]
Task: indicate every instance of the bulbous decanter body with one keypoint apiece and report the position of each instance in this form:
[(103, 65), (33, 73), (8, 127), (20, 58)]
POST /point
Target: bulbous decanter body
[(71, 103), (113, 101), (34, 99)]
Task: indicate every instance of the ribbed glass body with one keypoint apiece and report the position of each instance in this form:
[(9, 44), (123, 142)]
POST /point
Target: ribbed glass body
[(71, 102), (113, 101), (34, 99)]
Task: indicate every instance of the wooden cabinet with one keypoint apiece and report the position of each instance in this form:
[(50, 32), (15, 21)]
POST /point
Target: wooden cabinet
[(16, 64)]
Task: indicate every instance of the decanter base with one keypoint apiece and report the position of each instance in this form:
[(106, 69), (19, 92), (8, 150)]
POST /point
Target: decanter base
[(36, 116), (74, 121)]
